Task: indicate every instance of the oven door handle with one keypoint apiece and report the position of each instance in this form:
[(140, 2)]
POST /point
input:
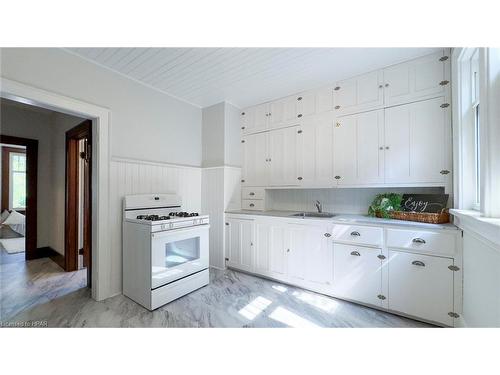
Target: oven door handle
[(169, 232)]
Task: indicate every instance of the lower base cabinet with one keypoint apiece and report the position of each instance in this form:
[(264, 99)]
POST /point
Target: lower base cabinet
[(421, 286), (305, 255), (358, 274)]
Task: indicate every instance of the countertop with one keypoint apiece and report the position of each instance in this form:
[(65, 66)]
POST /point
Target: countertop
[(346, 218)]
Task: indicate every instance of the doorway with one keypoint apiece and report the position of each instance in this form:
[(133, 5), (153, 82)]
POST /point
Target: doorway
[(78, 227), (19, 195)]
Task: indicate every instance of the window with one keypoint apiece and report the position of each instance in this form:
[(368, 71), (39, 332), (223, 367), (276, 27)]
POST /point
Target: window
[(476, 129), (17, 188)]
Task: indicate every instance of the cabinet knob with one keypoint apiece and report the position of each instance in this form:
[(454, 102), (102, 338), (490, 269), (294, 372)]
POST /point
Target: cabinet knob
[(337, 88), (337, 177), (386, 147), (287, 250), (355, 253), (386, 85), (337, 124), (251, 193), (299, 131), (243, 113), (242, 128), (418, 263), (381, 296), (242, 141), (381, 148), (299, 178), (445, 105), (444, 171), (267, 114), (337, 107), (381, 257), (444, 83), (299, 98), (242, 180), (380, 86), (355, 234), (299, 115), (418, 240), (328, 235)]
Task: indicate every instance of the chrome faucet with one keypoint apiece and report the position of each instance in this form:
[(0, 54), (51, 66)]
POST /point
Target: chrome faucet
[(319, 206)]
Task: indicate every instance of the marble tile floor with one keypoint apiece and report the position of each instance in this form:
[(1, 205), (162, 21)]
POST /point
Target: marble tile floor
[(41, 291)]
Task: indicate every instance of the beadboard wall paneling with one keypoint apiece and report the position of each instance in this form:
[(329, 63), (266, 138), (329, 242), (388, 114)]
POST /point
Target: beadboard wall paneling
[(139, 177), (221, 190), (339, 201)]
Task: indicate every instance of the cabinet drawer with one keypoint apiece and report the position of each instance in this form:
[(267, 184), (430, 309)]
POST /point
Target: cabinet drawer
[(421, 286), (421, 240), (252, 204), (357, 234), (252, 193)]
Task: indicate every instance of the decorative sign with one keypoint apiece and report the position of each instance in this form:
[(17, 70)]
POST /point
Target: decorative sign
[(424, 202)]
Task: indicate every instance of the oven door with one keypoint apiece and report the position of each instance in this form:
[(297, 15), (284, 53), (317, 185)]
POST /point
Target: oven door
[(178, 253)]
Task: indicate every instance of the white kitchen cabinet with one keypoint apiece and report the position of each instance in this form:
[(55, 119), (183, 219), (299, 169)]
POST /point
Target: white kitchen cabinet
[(240, 243), (421, 286), (358, 149), (270, 257), (418, 79), (283, 157), (315, 151), (324, 100), (358, 94), (357, 273), (417, 142), (255, 160), (255, 119), (310, 255)]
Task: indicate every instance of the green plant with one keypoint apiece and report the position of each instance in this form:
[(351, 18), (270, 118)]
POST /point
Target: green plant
[(384, 204)]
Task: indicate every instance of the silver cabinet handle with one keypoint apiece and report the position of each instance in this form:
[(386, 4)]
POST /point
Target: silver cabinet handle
[(337, 177), (418, 240), (418, 263), (355, 233), (355, 253), (251, 193), (328, 235), (381, 256), (252, 205)]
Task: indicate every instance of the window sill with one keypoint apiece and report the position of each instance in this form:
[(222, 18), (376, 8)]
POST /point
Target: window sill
[(470, 220)]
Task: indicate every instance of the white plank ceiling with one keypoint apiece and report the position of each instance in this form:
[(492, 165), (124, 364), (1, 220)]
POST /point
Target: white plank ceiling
[(242, 76)]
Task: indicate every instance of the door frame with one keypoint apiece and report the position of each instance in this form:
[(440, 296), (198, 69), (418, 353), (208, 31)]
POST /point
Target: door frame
[(102, 287), (31, 189), (71, 212)]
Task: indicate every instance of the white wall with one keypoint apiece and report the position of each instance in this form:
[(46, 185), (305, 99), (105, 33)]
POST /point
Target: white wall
[(347, 201), (145, 124), (232, 136), (213, 135), (481, 282)]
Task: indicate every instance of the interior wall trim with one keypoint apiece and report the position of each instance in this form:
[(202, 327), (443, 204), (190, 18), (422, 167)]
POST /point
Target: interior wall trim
[(119, 159)]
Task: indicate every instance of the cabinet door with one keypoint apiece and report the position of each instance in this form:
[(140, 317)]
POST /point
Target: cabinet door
[(417, 142), (357, 273), (318, 256), (359, 94), (277, 250), (421, 286), (324, 100), (306, 104), (414, 80), (344, 151), (315, 151), (261, 117), (255, 156), (247, 118), (282, 155), (262, 247), (369, 147), (239, 240)]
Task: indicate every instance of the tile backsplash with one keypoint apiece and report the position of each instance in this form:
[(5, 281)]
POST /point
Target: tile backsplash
[(339, 201)]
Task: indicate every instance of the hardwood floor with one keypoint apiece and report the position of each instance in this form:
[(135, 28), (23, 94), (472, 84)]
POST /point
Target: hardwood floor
[(39, 291)]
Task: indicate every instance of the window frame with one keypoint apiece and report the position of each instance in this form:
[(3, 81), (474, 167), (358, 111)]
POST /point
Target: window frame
[(11, 179)]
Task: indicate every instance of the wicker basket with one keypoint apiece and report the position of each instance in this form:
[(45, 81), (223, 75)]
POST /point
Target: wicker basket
[(423, 217)]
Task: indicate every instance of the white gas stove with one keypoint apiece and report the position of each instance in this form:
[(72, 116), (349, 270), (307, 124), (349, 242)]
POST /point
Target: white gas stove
[(165, 250)]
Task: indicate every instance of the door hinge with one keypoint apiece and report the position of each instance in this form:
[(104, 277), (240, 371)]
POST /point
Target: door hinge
[(444, 58), (381, 296), (454, 268), (445, 105), (444, 83), (380, 256), (453, 314)]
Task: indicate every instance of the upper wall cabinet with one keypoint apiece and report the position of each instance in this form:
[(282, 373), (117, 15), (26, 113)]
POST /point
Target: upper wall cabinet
[(358, 94), (418, 79), (284, 112)]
